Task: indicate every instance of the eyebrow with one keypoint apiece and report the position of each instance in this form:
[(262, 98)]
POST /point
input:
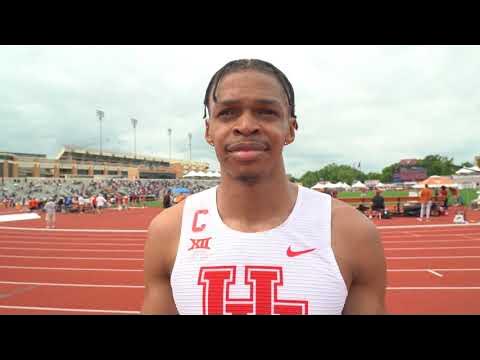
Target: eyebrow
[(258, 101)]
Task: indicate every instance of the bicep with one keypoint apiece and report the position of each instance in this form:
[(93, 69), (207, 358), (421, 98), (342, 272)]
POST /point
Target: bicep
[(367, 291), (158, 297)]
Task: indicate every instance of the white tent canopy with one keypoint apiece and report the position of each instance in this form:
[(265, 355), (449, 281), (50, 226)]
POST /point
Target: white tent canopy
[(330, 185), (346, 186), (465, 171), (359, 185), (191, 174), (380, 185), (201, 174), (213, 174), (318, 186)]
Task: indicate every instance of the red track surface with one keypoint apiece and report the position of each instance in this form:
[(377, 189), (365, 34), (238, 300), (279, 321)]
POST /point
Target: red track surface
[(72, 270)]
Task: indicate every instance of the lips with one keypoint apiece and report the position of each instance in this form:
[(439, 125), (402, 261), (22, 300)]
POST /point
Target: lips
[(247, 146), (247, 151)]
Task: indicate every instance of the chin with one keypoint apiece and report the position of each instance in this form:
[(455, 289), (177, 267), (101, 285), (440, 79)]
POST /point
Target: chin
[(249, 176)]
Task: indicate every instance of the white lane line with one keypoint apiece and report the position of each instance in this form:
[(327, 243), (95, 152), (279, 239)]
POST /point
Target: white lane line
[(431, 233), (435, 273), (71, 285), (422, 270), (66, 268), (72, 230), (68, 310), (141, 270), (67, 258), (426, 226), (432, 248), (76, 243), (432, 257), (71, 250), (427, 241), (433, 288), (67, 236)]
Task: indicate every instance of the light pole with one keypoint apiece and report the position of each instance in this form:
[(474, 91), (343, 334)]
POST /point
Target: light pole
[(190, 145), (170, 144), (134, 124), (100, 115)]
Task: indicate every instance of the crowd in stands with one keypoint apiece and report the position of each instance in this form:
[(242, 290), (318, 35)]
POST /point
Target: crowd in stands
[(82, 194)]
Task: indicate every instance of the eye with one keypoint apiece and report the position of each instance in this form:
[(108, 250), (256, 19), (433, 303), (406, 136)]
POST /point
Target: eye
[(226, 113), (267, 112)]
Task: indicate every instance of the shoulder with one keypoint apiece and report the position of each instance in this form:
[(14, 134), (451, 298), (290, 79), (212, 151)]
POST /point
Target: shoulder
[(162, 239), (353, 226), (356, 242)]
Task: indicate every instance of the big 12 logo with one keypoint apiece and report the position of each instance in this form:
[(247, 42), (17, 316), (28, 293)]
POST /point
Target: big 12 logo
[(263, 300)]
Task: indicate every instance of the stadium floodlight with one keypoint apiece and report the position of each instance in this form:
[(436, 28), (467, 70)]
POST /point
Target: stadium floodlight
[(134, 124), (100, 115), (170, 144), (190, 145)]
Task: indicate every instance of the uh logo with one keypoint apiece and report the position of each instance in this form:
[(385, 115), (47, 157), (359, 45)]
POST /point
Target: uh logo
[(263, 282)]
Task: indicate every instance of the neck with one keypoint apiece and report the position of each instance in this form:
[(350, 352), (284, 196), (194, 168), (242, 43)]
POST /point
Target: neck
[(256, 206)]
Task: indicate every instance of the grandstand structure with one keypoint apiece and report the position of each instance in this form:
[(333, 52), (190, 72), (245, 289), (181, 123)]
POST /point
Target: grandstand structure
[(73, 162)]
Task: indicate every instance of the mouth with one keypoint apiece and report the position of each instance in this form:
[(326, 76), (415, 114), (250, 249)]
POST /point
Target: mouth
[(247, 151)]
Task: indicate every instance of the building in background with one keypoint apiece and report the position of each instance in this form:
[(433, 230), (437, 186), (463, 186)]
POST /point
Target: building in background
[(78, 162), (409, 171)]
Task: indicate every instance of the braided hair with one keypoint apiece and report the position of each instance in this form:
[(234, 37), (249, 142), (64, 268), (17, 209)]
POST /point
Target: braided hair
[(250, 64)]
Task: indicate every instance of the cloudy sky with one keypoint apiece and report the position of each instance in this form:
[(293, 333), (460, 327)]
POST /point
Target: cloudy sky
[(369, 104)]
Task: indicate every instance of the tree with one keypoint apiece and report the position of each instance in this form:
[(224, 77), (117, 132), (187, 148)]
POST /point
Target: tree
[(387, 173), (466, 164), (310, 178), (333, 173), (373, 176), (438, 165)]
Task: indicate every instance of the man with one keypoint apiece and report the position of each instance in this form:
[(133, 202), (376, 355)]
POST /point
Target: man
[(101, 202), (425, 202), (454, 193), (443, 197), (93, 201), (378, 204), (81, 204), (167, 199), (257, 243), (50, 210)]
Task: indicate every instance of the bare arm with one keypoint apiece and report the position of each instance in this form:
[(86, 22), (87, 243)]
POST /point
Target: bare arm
[(361, 253), (160, 252)]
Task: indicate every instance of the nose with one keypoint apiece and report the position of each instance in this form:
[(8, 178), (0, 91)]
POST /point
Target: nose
[(246, 125)]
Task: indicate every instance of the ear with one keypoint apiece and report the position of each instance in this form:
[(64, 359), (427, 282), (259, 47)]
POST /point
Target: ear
[(208, 137), (292, 126)]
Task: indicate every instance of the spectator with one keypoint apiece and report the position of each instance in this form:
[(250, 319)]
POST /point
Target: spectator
[(81, 204), (61, 204), (50, 209), (100, 200), (167, 199), (443, 197), (378, 204), (425, 202), (454, 194)]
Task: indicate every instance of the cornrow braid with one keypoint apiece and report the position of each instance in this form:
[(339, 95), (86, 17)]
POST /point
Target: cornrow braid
[(249, 64)]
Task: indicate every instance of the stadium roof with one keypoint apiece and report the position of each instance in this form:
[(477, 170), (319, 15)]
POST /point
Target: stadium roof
[(79, 150)]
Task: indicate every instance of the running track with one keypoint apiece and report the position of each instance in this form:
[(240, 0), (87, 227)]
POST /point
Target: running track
[(431, 269)]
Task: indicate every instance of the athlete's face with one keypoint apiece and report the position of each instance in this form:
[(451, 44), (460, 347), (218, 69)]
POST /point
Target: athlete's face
[(249, 124)]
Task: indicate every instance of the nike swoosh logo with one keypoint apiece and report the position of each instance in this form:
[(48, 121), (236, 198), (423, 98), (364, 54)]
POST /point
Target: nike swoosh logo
[(291, 253)]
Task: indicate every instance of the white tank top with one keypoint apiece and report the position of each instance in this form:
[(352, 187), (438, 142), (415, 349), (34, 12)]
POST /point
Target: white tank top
[(290, 269)]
